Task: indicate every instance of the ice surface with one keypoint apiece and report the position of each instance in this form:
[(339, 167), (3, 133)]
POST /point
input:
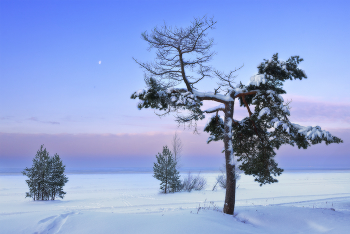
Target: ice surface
[(302, 202)]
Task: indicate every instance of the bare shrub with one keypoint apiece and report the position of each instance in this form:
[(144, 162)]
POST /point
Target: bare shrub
[(210, 206), (193, 183), (220, 180)]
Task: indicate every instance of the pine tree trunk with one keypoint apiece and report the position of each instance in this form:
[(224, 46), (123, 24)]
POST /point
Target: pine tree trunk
[(230, 198), (229, 205), (166, 176), (39, 192)]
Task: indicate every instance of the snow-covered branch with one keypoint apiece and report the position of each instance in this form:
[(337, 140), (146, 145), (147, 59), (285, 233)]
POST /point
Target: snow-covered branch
[(316, 134), (220, 107)]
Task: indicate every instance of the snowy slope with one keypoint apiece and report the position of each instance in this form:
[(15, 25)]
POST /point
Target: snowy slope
[(302, 202)]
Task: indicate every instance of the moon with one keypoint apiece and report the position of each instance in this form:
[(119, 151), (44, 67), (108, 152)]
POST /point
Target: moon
[(99, 62)]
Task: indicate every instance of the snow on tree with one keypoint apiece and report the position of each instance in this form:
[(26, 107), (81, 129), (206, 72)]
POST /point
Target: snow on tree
[(251, 142), (46, 177), (165, 171)]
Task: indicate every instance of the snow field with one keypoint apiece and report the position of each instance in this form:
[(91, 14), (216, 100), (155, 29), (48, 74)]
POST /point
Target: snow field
[(302, 202)]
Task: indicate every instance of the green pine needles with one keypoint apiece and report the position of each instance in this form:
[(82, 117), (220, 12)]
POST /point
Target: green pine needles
[(256, 138), (165, 171), (46, 177)]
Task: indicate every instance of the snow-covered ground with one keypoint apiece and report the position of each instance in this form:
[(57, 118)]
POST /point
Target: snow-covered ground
[(302, 202)]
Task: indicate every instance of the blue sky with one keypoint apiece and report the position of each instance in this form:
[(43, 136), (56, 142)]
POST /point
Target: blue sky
[(53, 87)]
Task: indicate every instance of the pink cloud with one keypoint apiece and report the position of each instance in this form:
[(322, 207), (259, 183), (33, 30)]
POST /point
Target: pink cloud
[(311, 110), (135, 148), (111, 150), (306, 109)]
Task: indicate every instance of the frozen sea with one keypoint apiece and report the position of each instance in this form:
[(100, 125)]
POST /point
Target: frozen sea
[(129, 201)]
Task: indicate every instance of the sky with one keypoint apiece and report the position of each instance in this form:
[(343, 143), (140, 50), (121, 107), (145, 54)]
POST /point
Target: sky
[(67, 73)]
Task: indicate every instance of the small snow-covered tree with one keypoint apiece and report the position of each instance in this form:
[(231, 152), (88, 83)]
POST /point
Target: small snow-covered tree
[(46, 176), (250, 142), (165, 171)]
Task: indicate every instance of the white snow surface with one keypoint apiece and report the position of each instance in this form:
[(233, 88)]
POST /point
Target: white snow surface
[(140, 92), (238, 90), (302, 202), (257, 79), (276, 123), (212, 95), (264, 111), (221, 106), (313, 132)]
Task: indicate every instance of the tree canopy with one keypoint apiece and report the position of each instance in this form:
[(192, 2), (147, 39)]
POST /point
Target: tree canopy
[(165, 171), (46, 177)]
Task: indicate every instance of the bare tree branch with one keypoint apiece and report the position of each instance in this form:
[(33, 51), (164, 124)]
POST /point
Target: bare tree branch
[(172, 44), (177, 147), (226, 80)]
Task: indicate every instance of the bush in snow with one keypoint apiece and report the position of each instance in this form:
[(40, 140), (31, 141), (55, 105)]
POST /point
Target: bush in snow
[(221, 179), (193, 183), (46, 177), (165, 171)]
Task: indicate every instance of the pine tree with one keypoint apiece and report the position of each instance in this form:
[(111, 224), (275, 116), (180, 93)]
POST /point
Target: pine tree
[(165, 171), (57, 177), (171, 87), (46, 176)]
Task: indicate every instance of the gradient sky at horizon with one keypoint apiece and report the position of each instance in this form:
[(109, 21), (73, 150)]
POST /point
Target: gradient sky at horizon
[(55, 91)]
